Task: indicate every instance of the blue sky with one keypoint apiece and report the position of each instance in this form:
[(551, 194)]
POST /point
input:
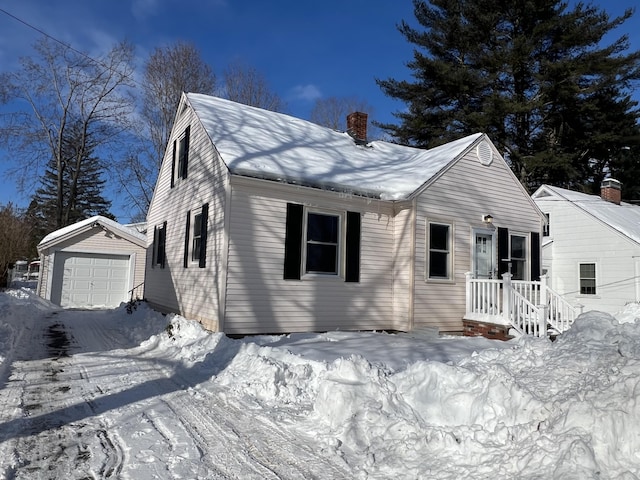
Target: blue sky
[(305, 49)]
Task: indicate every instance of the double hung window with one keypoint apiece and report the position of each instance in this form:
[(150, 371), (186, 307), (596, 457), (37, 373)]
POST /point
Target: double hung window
[(195, 237), (321, 243), (159, 245), (587, 279), (439, 251)]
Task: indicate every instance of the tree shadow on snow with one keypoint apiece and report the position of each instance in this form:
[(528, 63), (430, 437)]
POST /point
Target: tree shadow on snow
[(182, 378)]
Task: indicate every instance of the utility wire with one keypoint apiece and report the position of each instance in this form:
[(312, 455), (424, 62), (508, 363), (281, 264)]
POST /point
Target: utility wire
[(66, 45)]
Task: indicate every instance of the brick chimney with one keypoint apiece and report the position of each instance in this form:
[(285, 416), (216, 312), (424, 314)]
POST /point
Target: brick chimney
[(357, 126), (611, 190)]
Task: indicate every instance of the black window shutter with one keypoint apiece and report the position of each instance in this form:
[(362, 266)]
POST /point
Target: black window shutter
[(173, 165), (154, 250), (535, 256), (503, 251), (352, 248), (203, 236), (187, 234), (293, 242), (185, 161), (163, 244)]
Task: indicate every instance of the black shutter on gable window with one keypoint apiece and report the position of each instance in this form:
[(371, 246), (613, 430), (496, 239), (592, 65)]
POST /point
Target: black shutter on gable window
[(187, 234), (293, 242), (173, 165), (503, 251), (352, 248), (163, 244), (203, 236), (185, 159), (535, 256)]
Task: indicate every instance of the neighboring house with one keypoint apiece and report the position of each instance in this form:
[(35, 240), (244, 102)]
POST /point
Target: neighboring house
[(96, 262), (591, 246), (265, 223)]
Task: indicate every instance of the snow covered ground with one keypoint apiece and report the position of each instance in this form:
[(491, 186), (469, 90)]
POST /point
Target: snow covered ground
[(105, 394)]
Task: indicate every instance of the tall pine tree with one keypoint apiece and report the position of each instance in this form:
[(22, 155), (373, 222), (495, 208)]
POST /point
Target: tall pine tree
[(532, 74), (71, 187)]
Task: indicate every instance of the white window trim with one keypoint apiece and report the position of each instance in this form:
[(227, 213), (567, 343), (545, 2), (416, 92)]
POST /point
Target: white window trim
[(192, 224), (587, 295), (179, 148), (451, 259), (342, 218)]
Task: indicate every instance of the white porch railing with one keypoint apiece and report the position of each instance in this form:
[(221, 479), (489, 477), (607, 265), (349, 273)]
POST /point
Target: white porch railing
[(530, 308)]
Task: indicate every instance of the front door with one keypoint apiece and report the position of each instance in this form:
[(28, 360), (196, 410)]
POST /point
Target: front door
[(483, 255)]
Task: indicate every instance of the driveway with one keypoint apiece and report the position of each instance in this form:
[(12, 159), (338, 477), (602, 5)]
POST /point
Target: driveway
[(81, 401)]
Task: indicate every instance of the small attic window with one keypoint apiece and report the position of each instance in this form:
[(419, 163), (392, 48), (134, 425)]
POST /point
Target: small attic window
[(485, 153)]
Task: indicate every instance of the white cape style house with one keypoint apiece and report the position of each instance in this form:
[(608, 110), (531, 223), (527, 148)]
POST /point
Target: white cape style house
[(265, 223)]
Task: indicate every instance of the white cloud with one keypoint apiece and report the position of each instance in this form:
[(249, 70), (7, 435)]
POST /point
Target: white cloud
[(308, 93)]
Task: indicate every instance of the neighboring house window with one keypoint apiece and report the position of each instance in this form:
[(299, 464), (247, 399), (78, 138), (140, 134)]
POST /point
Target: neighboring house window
[(518, 250), (587, 278), (546, 230), (195, 238), (180, 159), (317, 243), (439, 251), (159, 246)]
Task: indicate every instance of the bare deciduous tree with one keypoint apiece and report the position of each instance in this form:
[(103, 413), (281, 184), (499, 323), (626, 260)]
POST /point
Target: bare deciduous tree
[(69, 95), (168, 72), (244, 84), (332, 111)]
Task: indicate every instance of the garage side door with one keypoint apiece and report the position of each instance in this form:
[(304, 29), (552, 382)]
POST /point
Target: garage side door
[(90, 280)]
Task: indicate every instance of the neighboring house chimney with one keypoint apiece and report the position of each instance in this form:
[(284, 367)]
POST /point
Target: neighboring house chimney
[(357, 126), (611, 190)]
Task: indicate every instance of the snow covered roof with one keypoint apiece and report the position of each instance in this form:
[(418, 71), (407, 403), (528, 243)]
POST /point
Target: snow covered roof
[(264, 144), (70, 230), (625, 218)]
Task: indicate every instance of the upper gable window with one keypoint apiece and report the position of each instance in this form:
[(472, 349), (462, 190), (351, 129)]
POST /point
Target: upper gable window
[(180, 159)]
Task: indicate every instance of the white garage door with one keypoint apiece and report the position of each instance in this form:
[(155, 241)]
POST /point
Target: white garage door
[(90, 280)]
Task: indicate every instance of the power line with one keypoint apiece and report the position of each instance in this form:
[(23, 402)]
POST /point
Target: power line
[(66, 45)]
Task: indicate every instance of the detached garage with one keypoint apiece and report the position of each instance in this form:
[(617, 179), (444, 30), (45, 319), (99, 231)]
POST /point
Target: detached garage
[(93, 263)]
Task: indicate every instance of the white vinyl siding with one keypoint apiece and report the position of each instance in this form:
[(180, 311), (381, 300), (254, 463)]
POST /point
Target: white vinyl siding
[(578, 238), (463, 195), (260, 300), (195, 293)]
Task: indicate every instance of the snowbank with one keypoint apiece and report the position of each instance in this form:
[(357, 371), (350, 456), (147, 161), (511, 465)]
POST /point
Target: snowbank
[(432, 407)]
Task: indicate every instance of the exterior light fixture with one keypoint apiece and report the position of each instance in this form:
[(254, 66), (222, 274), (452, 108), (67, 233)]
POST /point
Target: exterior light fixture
[(488, 219)]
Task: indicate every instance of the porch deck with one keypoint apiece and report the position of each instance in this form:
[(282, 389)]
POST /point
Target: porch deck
[(527, 307)]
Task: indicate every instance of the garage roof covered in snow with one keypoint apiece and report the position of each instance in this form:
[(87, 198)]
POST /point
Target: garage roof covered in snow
[(61, 234), (259, 143)]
